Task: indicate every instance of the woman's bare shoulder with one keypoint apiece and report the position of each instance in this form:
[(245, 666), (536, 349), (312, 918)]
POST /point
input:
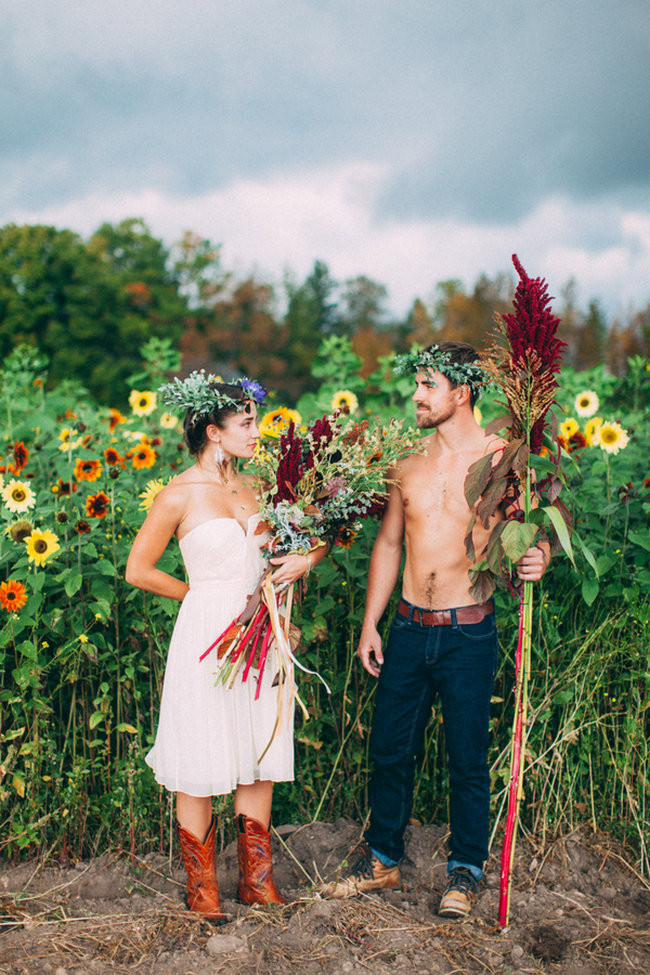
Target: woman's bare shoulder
[(174, 497)]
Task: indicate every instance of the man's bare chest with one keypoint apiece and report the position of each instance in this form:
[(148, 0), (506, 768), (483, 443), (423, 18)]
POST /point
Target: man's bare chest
[(436, 491)]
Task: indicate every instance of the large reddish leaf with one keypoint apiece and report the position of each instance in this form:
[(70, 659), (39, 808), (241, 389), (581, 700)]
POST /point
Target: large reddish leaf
[(477, 478), (483, 583)]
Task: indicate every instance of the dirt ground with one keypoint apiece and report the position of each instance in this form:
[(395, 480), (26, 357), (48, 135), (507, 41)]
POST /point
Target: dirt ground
[(577, 908)]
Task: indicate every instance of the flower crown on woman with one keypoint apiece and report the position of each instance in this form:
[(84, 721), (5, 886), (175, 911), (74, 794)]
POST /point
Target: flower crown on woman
[(202, 394)]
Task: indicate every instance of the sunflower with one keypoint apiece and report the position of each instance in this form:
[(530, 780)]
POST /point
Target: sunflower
[(112, 456), (19, 530), (97, 505), (152, 489), (41, 545), (591, 429), (21, 456), (345, 537), (568, 427), (345, 401), (68, 439), (63, 487), (82, 528), (275, 423), (13, 595), (586, 403), (115, 417), (142, 403), (168, 422), (18, 496), (143, 456), (87, 470), (611, 437), (577, 441)]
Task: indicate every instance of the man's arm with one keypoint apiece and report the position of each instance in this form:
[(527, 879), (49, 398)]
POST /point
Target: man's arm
[(382, 576)]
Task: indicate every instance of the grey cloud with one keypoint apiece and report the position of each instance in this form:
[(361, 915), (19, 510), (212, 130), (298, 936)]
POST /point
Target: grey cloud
[(482, 108)]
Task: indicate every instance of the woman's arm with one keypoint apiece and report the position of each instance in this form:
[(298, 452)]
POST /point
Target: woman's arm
[(149, 545)]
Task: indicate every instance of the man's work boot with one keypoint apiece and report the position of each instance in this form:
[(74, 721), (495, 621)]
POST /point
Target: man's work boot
[(367, 874), (457, 897)]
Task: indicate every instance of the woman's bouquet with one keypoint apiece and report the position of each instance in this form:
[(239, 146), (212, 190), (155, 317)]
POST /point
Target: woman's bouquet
[(317, 484)]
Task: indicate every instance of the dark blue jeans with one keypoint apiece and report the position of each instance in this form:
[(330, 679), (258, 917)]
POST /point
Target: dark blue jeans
[(459, 664)]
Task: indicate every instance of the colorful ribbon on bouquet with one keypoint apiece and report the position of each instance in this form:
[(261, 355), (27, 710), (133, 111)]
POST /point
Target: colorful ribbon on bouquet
[(257, 631)]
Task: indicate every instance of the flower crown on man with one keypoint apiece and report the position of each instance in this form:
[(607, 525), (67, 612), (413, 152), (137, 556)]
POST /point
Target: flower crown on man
[(458, 361)]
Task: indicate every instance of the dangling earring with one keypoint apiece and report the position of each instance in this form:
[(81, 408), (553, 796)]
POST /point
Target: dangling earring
[(219, 457)]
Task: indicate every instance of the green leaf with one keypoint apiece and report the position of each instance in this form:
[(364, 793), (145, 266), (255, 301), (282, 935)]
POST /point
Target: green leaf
[(590, 589), (516, 538), (589, 556), (558, 523), (127, 727), (326, 573), (95, 718), (73, 583), (640, 538), (106, 568), (323, 606)]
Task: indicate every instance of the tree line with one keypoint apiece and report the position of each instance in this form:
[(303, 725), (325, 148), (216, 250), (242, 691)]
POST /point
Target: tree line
[(90, 305)]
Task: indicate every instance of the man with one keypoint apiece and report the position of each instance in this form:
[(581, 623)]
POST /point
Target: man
[(441, 641)]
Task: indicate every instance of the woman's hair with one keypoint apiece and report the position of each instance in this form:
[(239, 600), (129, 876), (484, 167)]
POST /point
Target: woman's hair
[(196, 424)]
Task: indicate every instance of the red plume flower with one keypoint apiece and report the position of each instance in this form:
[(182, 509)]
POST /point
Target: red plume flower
[(527, 371)]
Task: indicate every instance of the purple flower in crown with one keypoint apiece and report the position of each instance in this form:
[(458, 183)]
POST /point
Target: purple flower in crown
[(253, 389)]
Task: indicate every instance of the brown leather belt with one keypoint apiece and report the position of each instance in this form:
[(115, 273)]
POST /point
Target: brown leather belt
[(442, 617)]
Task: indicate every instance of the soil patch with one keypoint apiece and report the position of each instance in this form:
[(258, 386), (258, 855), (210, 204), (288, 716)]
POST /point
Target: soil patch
[(578, 908)]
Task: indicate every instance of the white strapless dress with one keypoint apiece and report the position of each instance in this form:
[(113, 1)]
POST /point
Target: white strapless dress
[(209, 739)]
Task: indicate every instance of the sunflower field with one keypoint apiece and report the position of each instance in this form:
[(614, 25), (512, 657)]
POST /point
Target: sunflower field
[(82, 654)]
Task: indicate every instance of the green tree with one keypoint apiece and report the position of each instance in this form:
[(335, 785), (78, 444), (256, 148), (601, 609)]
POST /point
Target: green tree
[(469, 318), (363, 305), (591, 339), (89, 306)]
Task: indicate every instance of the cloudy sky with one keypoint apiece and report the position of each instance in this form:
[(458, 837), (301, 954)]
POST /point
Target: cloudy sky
[(407, 140)]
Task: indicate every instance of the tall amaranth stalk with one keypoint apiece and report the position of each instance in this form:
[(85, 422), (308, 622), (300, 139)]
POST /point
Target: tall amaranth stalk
[(505, 494)]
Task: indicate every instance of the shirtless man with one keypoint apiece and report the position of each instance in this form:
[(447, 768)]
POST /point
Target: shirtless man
[(441, 641)]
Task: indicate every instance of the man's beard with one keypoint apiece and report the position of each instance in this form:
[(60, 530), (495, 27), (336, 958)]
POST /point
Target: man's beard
[(429, 420)]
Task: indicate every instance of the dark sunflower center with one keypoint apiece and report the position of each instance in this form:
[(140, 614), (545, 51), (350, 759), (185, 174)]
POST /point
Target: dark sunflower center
[(40, 546), (10, 596), (18, 494)]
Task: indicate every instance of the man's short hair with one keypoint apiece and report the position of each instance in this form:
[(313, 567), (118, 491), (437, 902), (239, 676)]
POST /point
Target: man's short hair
[(461, 352)]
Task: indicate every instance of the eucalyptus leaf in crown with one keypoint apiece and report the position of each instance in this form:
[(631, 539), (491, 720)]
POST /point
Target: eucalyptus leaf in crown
[(203, 393), (417, 360)]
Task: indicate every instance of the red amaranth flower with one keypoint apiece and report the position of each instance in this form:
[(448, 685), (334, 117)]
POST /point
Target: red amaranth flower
[(291, 466), (535, 356), (533, 325)]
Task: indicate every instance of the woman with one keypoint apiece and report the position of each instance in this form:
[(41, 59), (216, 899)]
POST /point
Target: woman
[(209, 738)]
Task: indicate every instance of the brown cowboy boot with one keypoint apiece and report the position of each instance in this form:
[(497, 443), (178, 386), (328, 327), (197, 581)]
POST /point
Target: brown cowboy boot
[(255, 869), (202, 890)]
